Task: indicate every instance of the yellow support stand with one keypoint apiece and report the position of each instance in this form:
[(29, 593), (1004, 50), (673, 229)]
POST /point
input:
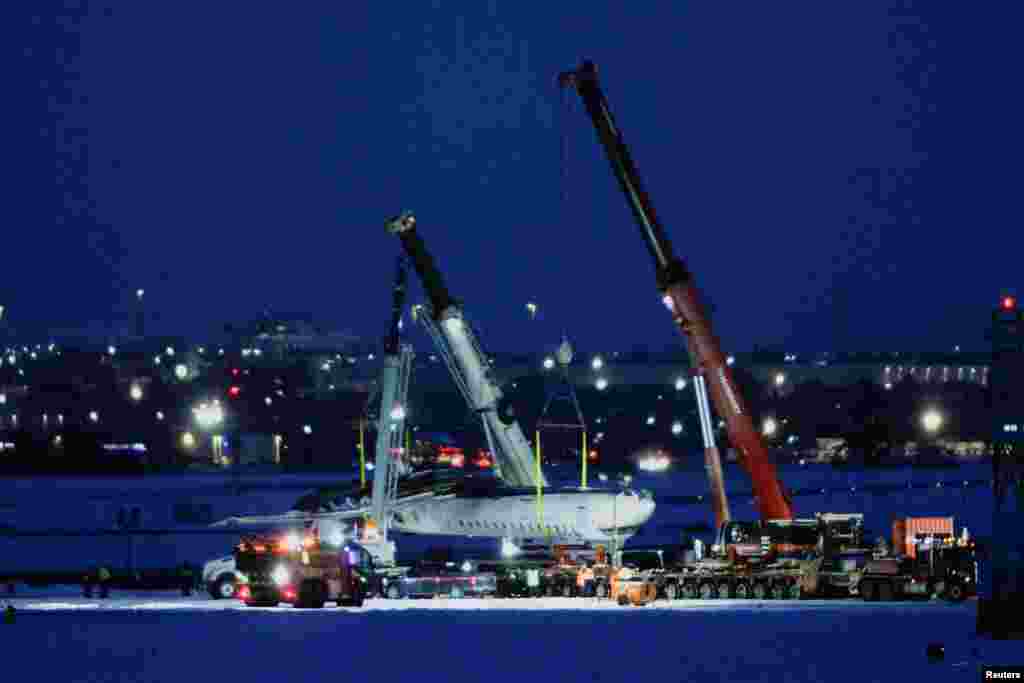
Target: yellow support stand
[(583, 465), (540, 490), (362, 454)]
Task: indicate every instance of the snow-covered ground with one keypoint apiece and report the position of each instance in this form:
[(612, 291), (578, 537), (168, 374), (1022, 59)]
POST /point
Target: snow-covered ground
[(164, 637)]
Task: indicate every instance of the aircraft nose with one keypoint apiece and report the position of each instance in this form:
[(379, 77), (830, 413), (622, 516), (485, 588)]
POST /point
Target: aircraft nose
[(636, 510)]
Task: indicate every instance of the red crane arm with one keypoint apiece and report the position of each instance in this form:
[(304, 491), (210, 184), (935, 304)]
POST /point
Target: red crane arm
[(683, 299)]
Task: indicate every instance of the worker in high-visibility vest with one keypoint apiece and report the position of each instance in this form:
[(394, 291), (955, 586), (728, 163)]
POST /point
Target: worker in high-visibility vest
[(617, 580)]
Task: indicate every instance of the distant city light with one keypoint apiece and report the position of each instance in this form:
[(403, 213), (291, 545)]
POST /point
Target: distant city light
[(94, 416), (209, 414), (135, 392), (306, 429), (730, 360), (139, 293), (667, 300), (111, 350), (181, 371), (888, 385), (549, 363), (654, 462), (398, 412), (931, 421), (169, 350), (769, 427), (531, 308), (677, 428), (650, 420), (680, 384), (159, 415), (597, 363), (780, 379), (188, 440), (268, 400), (3, 399), (601, 384)]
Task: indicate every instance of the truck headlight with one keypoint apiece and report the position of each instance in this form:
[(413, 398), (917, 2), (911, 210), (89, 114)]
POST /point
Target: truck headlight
[(281, 576)]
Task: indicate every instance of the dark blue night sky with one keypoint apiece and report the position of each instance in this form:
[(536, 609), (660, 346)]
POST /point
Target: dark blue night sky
[(837, 175)]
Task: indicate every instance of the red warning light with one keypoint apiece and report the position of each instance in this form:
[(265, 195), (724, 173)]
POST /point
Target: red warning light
[(1009, 302), (233, 392), (234, 371)]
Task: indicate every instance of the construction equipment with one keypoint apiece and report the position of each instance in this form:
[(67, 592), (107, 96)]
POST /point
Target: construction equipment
[(930, 565), (633, 587), (469, 365), (772, 559), (389, 463), (682, 298)]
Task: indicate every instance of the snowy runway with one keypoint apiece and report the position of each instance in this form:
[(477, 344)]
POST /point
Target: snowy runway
[(165, 637), (172, 600)]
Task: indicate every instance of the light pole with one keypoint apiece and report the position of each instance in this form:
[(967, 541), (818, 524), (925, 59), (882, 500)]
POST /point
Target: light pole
[(140, 317)]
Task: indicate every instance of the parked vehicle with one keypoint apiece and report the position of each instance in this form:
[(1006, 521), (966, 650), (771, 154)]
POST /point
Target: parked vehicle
[(429, 580), (940, 567), (221, 578)]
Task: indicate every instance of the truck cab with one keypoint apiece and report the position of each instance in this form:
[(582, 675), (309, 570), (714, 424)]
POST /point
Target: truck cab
[(938, 568)]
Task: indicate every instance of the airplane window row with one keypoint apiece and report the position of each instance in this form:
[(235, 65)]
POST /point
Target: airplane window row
[(505, 526)]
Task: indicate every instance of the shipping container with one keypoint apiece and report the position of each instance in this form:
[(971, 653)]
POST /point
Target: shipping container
[(905, 532)]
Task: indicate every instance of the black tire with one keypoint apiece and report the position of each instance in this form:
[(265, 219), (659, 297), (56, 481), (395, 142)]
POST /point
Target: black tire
[(457, 593), (955, 592), (356, 599), (885, 591), (688, 591), (742, 591), (567, 590), (549, 590), (601, 590), (623, 599), (311, 596), (793, 591), (724, 590), (671, 591), (223, 588), (868, 591), (775, 592), (393, 592), (708, 591), (759, 591)]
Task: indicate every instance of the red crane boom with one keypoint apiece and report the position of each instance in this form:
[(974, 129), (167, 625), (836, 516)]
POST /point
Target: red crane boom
[(683, 299)]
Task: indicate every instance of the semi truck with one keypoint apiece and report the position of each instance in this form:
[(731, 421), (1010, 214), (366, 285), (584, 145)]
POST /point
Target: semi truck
[(927, 561)]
